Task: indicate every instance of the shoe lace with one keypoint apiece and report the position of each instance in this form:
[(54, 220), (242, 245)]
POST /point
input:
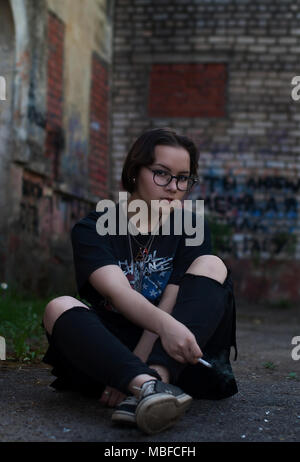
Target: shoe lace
[(147, 388)]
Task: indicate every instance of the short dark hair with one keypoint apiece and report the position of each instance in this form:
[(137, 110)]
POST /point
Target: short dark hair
[(142, 153)]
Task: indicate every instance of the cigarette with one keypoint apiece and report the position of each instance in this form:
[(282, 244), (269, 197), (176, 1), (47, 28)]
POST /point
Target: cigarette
[(205, 363)]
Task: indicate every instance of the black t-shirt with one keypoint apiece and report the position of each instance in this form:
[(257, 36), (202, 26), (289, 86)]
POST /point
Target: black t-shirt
[(167, 261)]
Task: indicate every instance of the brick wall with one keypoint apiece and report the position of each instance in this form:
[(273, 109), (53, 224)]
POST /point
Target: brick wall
[(98, 155), (249, 163), (54, 126)]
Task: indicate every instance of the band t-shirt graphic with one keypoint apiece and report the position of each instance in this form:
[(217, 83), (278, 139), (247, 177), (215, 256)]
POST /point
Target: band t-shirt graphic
[(156, 273), (166, 262)]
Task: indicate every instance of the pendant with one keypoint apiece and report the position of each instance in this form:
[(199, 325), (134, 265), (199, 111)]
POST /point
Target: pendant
[(141, 254)]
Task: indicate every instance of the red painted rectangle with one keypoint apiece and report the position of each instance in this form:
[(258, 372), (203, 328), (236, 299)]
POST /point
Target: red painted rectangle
[(187, 90)]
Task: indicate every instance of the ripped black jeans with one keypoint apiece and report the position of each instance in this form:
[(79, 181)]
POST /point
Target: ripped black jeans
[(90, 349)]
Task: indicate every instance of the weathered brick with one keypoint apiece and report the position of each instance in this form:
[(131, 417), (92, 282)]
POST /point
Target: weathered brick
[(98, 158), (54, 125), (245, 40)]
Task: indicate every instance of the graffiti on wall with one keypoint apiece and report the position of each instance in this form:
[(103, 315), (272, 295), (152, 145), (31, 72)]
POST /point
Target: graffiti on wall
[(74, 162), (29, 216), (262, 212), (260, 209), (44, 214)]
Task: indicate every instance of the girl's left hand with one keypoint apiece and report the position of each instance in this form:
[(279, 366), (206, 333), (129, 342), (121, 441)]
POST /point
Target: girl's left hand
[(111, 397)]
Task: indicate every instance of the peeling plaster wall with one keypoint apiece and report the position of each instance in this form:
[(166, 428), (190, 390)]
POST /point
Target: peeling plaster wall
[(86, 29), (7, 59), (50, 183)]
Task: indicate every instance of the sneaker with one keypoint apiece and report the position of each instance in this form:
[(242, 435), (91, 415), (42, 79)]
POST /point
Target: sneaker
[(160, 406), (125, 411)]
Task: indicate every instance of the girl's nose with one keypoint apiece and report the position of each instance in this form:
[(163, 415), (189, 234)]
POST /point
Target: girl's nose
[(172, 186)]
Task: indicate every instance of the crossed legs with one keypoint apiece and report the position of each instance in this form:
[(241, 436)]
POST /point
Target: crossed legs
[(207, 265)]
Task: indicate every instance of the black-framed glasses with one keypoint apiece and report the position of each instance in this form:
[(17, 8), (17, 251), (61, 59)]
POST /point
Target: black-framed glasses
[(163, 178)]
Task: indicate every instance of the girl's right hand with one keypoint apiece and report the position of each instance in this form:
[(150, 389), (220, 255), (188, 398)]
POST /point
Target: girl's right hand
[(179, 342)]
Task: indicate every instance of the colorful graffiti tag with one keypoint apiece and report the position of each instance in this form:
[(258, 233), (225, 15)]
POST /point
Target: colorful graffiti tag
[(262, 212)]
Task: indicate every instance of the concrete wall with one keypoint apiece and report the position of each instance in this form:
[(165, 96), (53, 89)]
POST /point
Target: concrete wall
[(55, 134), (7, 40), (220, 71)]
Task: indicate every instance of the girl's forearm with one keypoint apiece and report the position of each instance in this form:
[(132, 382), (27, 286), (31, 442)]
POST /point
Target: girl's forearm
[(139, 310), (147, 340)]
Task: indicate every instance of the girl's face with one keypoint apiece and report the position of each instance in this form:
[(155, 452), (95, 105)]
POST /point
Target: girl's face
[(170, 159)]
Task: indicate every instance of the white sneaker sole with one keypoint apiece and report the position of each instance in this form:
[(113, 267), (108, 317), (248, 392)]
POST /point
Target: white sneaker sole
[(158, 412)]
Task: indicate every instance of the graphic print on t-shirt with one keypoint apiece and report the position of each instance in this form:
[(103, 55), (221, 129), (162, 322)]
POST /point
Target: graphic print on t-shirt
[(156, 273)]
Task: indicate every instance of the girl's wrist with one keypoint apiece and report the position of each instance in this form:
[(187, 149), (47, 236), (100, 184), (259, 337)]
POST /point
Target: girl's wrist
[(145, 345), (163, 320)]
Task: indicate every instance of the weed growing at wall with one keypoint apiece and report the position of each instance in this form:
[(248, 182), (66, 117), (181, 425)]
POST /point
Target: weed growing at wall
[(20, 325)]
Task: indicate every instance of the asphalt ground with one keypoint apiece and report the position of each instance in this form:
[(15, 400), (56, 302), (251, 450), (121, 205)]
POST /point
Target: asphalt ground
[(266, 409)]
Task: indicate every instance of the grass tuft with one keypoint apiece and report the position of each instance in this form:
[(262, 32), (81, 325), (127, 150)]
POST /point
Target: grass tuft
[(20, 325)]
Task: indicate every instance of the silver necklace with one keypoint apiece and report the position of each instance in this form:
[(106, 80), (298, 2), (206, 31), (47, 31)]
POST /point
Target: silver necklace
[(142, 247), (138, 263)]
